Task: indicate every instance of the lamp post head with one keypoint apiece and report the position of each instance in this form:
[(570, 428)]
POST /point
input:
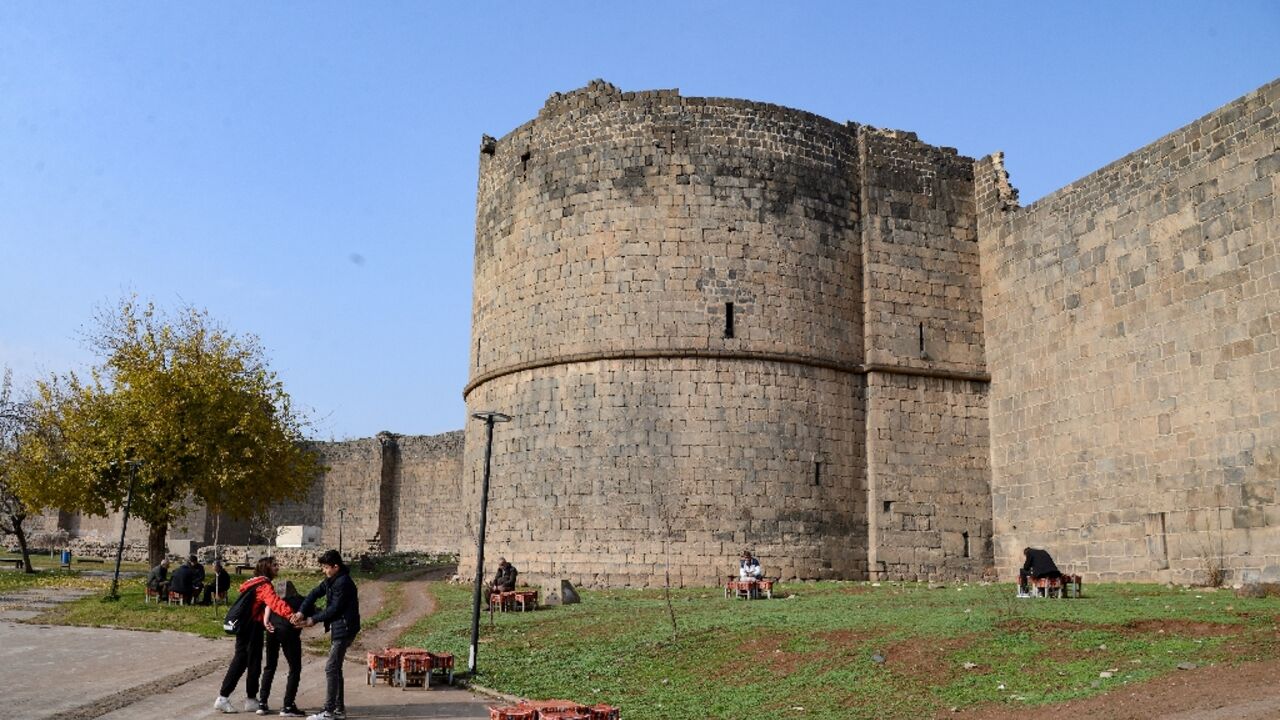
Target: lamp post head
[(491, 416)]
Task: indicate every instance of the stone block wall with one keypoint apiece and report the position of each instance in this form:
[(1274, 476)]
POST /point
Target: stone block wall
[(927, 455), (930, 505), (667, 299), (616, 237), (353, 482), (427, 494), (613, 470), (399, 492), (1133, 331)]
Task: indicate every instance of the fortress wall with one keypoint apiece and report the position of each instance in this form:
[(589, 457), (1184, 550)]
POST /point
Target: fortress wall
[(611, 233), (927, 457), (1132, 331), (923, 296), (624, 222), (427, 495), (611, 469), (354, 482), (928, 470)]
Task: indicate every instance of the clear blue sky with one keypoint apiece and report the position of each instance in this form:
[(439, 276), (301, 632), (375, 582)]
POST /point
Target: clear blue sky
[(306, 171)]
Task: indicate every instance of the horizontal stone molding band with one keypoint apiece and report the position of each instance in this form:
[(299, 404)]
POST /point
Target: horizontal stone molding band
[(851, 368)]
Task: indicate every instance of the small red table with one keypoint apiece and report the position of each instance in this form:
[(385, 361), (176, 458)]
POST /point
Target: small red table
[(749, 589)]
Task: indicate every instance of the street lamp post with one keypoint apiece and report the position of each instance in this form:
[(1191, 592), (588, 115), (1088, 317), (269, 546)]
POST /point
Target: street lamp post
[(342, 515), (489, 417), (124, 525)]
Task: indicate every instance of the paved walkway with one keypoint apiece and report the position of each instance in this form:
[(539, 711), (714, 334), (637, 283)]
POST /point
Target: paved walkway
[(75, 673)]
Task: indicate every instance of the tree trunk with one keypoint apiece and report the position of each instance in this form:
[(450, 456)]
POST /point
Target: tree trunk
[(157, 548), (22, 541)]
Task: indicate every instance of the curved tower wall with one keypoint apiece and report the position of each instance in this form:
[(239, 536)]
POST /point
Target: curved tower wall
[(612, 232)]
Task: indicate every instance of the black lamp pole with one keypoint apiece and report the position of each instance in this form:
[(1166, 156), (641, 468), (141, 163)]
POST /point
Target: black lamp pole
[(124, 526), (489, 417), (342, 515)]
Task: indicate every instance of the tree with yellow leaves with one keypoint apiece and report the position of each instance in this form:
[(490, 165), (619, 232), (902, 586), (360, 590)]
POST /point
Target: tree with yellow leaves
[(179, 408)]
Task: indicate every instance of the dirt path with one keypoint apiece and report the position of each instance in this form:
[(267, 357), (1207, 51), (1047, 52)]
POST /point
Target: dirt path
[(1219, 692), (415, 603)]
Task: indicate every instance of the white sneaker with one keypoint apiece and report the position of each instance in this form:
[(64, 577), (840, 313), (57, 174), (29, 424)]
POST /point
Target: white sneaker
[(322, 715), (1024, 595), (224, 705), (251, 705)]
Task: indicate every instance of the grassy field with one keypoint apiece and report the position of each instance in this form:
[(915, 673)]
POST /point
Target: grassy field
[(131, 612), (849, 650)]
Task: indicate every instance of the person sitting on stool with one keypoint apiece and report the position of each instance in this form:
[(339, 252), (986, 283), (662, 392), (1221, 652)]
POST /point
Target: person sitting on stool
[(505, 580), (1038, 565), (158, 578), (188, 580), (220, 585), (749, 567)]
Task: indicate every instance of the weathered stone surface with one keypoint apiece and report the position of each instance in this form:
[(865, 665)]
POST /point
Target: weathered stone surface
[(1132, 324), (617, 234)]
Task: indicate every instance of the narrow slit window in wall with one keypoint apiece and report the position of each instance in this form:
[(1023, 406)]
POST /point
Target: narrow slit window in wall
[(728, 319), (888, 506), (965, 535), (817, 472), (524, 163), (922, 353)]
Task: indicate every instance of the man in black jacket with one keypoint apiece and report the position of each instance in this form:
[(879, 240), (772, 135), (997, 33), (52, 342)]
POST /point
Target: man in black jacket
[(188, 580), (341, 618), (504, 581), (220, 585), (1038, 565)]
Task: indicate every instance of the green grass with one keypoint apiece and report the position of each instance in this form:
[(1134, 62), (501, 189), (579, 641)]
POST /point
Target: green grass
[(131, 612), (814, 650)]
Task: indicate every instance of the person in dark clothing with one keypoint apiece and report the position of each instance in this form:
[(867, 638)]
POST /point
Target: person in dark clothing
[(248, 652), (219, 586), (198, 568), (1038, 564), (188, 580), (158, 578), (504, 580), (341, 618), (282, 634)]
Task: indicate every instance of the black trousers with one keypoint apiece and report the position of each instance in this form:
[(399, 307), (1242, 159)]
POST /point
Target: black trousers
[(248, 657), (207, 599), (291, 644), (335, 698)]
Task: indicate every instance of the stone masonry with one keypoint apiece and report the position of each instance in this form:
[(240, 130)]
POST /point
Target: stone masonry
[(1133, 332), (722, 324), (397, 492)]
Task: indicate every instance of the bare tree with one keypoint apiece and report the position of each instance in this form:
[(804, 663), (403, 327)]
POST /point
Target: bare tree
[(264, 524)]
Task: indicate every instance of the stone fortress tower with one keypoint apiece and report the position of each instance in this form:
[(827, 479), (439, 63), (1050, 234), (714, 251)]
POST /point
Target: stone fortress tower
[(722, 324)]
